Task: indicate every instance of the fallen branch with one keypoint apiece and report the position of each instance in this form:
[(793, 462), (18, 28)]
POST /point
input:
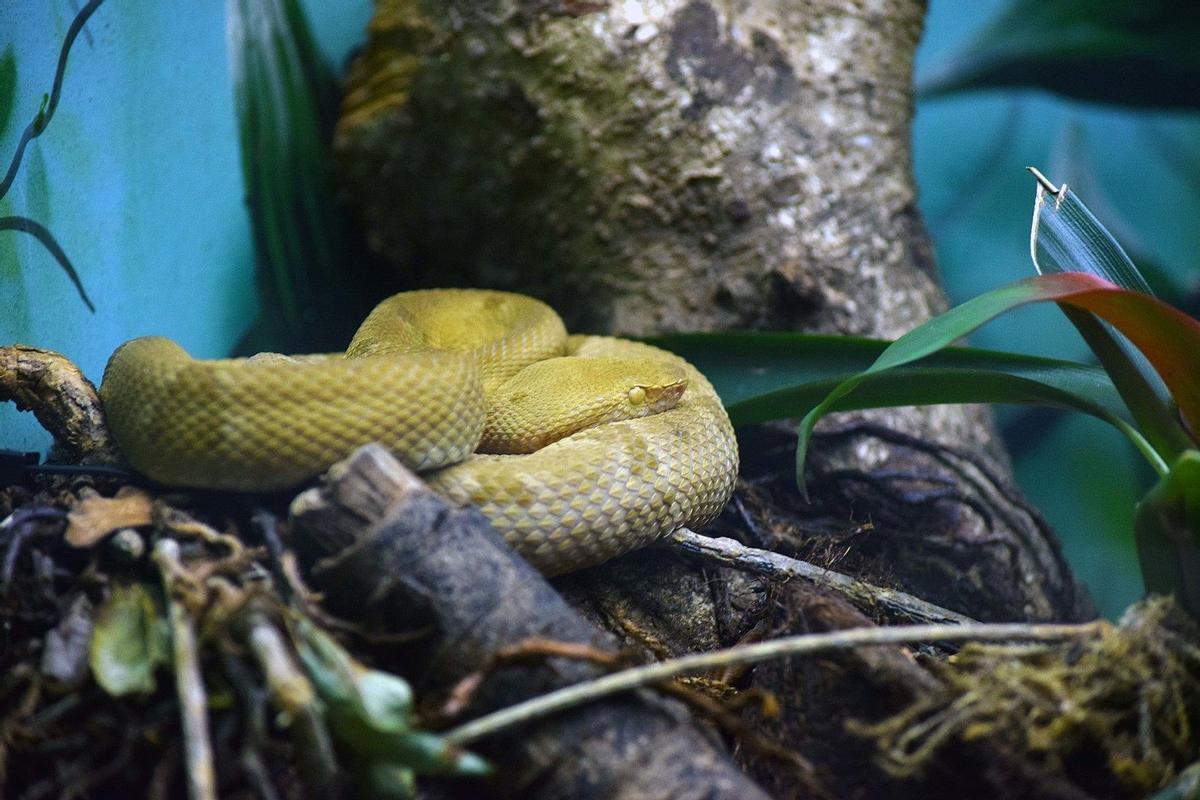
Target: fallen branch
[(806, 644), (866, 596)]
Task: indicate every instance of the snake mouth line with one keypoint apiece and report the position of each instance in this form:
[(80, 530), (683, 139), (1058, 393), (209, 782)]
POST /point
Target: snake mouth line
[(661, 398)]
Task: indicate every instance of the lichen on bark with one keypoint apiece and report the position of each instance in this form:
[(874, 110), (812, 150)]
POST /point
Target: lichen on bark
[(679, 165)]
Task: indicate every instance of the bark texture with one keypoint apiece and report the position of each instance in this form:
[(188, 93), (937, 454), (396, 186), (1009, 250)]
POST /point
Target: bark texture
[(62, 399), (685, 165)]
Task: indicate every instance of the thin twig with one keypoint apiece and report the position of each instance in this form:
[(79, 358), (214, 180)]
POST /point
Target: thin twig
[(189, 684), (570, 696), (734, 554), (290, 688), (293, 695)]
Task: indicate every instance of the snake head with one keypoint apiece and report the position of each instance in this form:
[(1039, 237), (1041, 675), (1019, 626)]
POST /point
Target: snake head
[(552, 399), (651, 398)]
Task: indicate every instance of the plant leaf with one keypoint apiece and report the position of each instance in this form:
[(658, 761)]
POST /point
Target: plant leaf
[(1167, 530), (1066, 237), (287, 100), (764, 376), (129, 641), (1167, 337), (750, 369), (1110, 51), (370, 713)]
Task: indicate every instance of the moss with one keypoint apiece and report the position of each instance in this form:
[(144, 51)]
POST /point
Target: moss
[(1128, 700), (518, 153)]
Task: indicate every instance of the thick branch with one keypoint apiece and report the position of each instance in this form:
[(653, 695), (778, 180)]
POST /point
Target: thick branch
[(411, 561), (62, 399)]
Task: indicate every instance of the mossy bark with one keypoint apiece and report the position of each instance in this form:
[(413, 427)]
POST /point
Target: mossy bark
[(681, 165)]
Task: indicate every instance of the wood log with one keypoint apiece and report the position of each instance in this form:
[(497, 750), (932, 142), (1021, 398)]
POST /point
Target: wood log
[(392, 552)]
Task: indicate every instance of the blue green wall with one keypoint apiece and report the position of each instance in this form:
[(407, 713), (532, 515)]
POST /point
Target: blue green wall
[(137, 176)]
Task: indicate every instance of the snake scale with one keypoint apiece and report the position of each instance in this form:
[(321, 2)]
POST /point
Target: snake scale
[(577, 448)]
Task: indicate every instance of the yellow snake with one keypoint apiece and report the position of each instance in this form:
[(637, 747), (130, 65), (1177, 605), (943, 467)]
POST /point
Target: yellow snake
[(577, 448)]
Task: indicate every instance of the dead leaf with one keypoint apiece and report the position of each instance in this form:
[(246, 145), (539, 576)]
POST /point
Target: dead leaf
[(93, 518)]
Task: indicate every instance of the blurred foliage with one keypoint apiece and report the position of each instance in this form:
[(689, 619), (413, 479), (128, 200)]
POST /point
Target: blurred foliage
[(130, 641), (370, 713), (1168, 533), (310, 272), (1110, 51)]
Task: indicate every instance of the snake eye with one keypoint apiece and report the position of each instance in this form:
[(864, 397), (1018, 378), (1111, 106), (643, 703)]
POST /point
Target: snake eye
[(637, 395)]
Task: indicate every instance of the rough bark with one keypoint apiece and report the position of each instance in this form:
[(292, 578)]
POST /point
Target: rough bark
[(694, 165)]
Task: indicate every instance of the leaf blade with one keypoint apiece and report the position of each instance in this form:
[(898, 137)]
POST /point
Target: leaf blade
[(1167, 337), (1066, 237), (763, 376)]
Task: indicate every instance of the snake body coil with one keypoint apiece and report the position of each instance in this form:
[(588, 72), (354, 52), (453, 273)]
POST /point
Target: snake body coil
[(429, 375)]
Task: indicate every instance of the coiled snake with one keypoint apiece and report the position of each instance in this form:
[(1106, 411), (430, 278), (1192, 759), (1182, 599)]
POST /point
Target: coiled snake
[(577, 448)]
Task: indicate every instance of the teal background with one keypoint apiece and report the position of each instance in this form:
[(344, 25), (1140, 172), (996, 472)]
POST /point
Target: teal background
[(138, 177)]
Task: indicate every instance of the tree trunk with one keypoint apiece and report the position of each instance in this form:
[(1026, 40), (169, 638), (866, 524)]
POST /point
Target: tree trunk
[(693, 165)]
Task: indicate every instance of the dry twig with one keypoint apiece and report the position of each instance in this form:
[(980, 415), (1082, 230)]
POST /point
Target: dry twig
[(866, 596), (570, 696), (193, 701)]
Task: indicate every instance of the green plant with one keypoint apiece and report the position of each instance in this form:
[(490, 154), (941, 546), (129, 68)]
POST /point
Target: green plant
[(1148, 386), (1150, 351)]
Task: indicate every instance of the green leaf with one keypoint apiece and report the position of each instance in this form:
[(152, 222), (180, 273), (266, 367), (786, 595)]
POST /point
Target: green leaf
[(762, 376), (1066, 237), (1167, 530), (765, 376), (386, 701), (129, 642), (383, 780), (1167, 337), (428, 754), (1109, 51), (370, 713)]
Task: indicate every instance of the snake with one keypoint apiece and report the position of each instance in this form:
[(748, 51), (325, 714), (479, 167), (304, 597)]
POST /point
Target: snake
[(577, 448)]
